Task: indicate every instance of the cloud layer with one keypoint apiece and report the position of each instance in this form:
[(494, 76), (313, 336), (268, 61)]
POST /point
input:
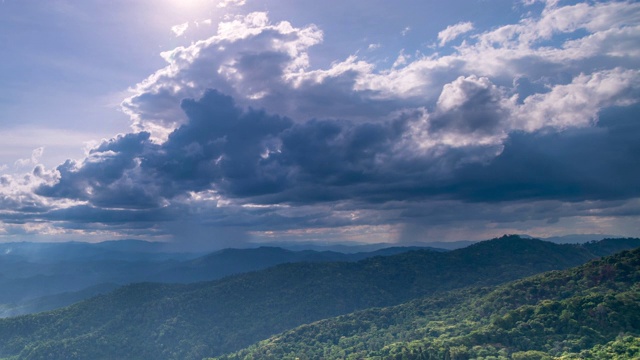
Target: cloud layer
[(516, 127)]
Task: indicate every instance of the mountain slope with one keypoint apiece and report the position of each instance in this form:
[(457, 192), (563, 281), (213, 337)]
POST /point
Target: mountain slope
[(578, 313), (154, 321)]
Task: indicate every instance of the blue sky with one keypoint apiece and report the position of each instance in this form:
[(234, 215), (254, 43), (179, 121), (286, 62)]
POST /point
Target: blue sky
[(213, 123)]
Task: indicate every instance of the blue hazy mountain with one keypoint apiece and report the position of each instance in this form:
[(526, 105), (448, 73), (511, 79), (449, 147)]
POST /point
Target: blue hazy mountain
[(42, 276), (192, 321)]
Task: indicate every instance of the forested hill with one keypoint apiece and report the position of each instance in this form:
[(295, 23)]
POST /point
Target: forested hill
[(154, 321), (588, 312)]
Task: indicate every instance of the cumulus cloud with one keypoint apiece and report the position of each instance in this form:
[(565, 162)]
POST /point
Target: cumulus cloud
[(266, 65), (400, 60), (240, 131), (577, 104), (454, 31), (247, 59), (471, 105), (180, 29), (252, 156), (18, 200), (36, 154), (595, 163), (204, 22), (105, 177), (225, 3)]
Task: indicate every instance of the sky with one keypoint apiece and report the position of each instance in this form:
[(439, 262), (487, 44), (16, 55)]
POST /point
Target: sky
[(217, 123)]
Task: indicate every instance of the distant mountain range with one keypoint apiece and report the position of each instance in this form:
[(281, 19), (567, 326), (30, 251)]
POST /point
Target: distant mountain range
[(441, 245), (43, 276), (235, 261), (127, 250), (192, 321), (37, 277)]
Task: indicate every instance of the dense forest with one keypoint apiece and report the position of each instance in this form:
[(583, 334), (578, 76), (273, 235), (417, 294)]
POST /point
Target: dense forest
[(193, 321), (588, 312)]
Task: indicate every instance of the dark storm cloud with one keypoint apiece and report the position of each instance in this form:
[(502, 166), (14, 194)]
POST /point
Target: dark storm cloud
[(83, 214), (240, 154), (598, 163), (256, 157), (220, 147), (266, 158), (106, 177), (328, 154), (334, 96)]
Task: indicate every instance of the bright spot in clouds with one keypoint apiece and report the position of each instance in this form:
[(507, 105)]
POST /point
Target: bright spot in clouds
[(225, 3)]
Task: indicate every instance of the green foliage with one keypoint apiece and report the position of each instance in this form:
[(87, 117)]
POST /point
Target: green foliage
[(572, 314), (622, 348), (154, 321)]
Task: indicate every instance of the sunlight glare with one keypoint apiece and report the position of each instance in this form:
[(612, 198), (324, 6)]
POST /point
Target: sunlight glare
[(192, 5)]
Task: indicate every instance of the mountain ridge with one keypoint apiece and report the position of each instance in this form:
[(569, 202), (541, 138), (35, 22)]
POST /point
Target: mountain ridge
[(28, 285), (205, 319)]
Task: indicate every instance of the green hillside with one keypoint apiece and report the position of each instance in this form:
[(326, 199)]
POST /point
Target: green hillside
[(588, 312), (155, 321)]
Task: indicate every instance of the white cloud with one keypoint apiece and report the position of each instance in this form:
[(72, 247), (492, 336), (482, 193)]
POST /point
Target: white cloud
[(36, 154), (266, 65), (180, 29), (401, 59), (374, 46), (236, 61), (472, 111), (577, 104), (225, 3), (516, 49), (449, 110), (207, 22), (17, 194), (453, 31)]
